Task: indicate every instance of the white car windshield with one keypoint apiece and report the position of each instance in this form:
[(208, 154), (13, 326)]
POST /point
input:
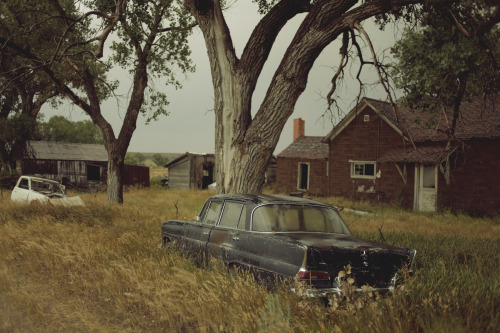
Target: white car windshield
[(46, 187), (298, 218)]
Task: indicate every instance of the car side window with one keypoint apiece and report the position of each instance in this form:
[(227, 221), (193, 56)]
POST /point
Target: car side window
[(264, 218), (213, 212), (232, 215), (24, 184)]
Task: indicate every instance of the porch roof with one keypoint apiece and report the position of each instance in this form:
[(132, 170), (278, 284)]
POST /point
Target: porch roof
[(430, 153)]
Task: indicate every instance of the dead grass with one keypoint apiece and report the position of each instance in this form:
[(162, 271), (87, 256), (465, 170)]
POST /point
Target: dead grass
[(99, 269)]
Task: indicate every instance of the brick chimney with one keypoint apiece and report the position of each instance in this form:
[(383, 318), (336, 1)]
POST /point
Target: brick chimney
[(298, 128)]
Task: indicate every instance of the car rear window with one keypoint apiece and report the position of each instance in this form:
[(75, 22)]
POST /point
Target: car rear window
[(297, 218)]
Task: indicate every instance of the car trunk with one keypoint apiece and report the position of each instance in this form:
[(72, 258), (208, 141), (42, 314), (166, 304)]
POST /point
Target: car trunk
[(372, 263)]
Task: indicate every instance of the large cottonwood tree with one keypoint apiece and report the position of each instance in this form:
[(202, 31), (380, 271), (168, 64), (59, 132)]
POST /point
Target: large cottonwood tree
[(244, 144), (149, 39)]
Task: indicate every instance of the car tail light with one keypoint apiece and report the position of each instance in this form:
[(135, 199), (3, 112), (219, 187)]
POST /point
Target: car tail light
[(305, 274)]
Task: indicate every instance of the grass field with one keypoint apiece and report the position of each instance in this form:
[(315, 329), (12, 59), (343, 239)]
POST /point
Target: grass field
[(100, 269)]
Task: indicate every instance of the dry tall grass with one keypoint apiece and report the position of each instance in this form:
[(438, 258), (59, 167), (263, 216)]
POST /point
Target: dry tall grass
[(99, 268)]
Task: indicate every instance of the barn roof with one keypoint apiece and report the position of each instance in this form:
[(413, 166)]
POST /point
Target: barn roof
[(62, 151), (306, 147)]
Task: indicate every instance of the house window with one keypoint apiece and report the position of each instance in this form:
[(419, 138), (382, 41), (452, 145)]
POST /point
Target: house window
[(93, 172), (303, 177), (361, 169)]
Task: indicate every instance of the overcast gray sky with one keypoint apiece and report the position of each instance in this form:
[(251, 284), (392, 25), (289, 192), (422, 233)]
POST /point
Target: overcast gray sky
[(190, 126)]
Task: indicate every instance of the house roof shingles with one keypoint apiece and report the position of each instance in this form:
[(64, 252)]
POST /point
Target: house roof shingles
[(62, 151), (479, 118), (306, 147)]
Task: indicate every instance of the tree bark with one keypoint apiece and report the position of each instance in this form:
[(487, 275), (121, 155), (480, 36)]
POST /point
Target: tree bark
[(115, 174)]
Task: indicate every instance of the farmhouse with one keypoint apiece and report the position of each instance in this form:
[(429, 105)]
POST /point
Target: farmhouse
[(375, 156), (303, 165), (73, 164)]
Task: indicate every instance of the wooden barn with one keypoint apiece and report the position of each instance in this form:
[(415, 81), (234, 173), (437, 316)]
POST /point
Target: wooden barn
[(374, 157), (76, 165), (303, 165), (191, 171)]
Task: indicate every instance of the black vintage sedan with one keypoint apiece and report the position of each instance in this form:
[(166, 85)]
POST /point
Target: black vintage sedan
[(286, 237)]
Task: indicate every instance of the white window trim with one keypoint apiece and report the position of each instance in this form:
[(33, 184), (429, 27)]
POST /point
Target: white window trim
[(299, 175), (353, 175)]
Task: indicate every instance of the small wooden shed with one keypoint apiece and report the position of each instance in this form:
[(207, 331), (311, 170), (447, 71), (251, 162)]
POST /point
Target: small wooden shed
[(191, 171)]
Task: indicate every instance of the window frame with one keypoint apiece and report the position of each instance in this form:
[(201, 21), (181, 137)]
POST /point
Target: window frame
[(363, 163), (207, 210), (242, 215)]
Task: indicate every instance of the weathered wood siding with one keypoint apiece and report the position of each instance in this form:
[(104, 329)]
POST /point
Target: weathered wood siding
[(179, 175), (69, 173), (136, 175)]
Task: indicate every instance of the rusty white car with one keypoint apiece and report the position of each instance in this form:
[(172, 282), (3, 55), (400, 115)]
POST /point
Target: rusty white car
[(30, 189)]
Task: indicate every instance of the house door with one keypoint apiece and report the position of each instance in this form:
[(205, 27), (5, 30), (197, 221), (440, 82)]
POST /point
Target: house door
[(425, 188)]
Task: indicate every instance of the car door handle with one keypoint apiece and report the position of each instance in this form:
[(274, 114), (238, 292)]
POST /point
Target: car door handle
[(236, 238), (206, 232)]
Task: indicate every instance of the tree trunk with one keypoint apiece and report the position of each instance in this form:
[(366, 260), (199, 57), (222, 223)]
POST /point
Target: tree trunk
[(115, 177)]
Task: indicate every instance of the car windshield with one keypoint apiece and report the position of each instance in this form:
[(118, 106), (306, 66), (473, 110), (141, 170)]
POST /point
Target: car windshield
[(298, 218), (46, 187)]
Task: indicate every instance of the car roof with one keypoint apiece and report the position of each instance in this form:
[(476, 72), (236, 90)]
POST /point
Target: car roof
[(267, 199), (39, 179)]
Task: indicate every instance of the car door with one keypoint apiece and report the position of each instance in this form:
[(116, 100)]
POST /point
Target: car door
[(198, 232), (21, 191), (268, 254), (225, 236)]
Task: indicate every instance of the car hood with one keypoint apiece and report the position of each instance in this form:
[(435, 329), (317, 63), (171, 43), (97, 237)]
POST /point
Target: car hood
[(67, 201)]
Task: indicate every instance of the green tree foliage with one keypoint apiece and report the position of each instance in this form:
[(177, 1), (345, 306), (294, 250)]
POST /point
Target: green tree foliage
[(130, 158), (27, 26), (61, 129), (160, 160), (14, 131), (140, 158), (135, 158), (452, 55)]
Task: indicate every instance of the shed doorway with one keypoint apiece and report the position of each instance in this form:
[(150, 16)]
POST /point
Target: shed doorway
[(208, 175)]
